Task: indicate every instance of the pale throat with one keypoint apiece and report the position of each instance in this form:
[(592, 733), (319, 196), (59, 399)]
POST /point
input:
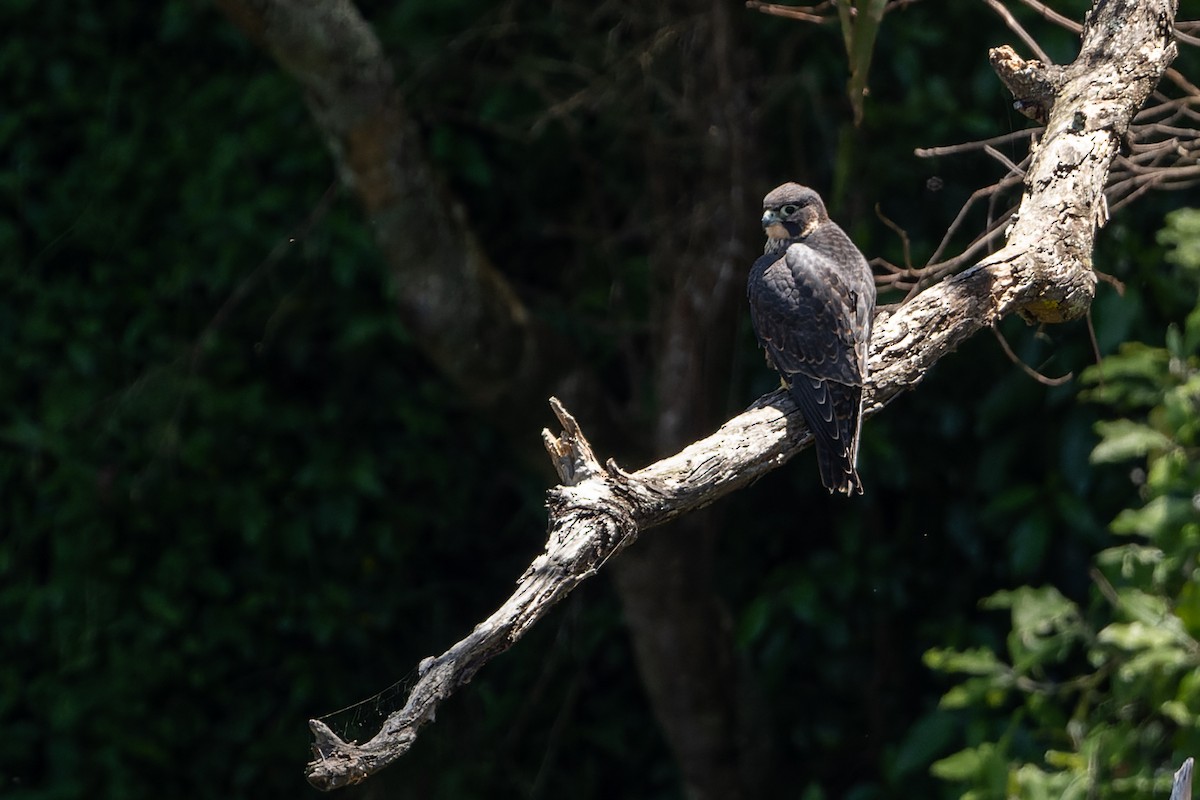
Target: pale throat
[(778, 238)]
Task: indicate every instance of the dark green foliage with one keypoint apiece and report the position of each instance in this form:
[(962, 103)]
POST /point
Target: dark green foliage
[(233, 496), (1099, 698), (231, 491)]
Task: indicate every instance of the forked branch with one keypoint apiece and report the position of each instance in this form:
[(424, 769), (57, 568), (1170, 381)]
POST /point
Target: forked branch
[(1043, 272)]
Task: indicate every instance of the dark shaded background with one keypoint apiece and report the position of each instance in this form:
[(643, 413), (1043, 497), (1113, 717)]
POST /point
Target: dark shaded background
[(234, 495)]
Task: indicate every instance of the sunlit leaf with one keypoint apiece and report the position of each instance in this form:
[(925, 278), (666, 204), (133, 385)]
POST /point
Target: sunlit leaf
[(1178, 713), (977, 661), (1155, 663), (1127, 558), (1135, 636), (1182, 231), (1124, 439), (1157, 516)]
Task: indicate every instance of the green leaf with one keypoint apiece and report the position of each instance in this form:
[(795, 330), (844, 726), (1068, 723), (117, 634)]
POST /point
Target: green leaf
[(1191, 331), (1135, 636), (1178, 713), (965, 764), (1129, 557), (977, 661), (1132, 361), (1160, 515), (1149, 609), (1066, 760), (1133, 377), (1035, 611), (1123, 439), (1183, 231), (1187, 606), (1155, 663), (990, 691)]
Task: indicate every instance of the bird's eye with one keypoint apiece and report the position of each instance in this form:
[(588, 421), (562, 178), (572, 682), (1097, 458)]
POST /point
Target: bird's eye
[(789, 209)]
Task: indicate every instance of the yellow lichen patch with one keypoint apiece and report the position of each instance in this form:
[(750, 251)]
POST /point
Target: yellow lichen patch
[(1045, 310)]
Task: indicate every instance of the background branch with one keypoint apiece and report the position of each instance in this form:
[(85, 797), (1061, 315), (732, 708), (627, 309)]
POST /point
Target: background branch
[(462, 311)]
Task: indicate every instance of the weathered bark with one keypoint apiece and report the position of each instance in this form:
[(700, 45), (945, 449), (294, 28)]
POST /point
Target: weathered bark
[(1181, 786), (1042, 272)]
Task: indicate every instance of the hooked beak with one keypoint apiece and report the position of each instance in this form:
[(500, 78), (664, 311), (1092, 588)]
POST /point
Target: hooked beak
[(773, 225)]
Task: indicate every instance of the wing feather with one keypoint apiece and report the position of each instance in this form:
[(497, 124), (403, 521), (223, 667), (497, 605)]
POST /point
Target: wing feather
[(805, 316)]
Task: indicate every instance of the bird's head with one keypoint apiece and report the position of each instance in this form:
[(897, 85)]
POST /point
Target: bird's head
[(791, 212)]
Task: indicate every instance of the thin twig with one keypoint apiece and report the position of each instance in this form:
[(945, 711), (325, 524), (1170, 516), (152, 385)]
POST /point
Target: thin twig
[(788, 12), (1095, 347), (899, 232), (1003, 159), (966, 147), (1028, 370), (1112, 281), (897, 5), (1176, 77), (1054, 16), (1020, 31), (1184, 38), (978, 194)]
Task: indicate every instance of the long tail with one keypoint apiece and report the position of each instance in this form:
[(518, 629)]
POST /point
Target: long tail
[(833, 413)]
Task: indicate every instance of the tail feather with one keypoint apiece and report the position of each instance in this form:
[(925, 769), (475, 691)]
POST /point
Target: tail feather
[(832, 412)]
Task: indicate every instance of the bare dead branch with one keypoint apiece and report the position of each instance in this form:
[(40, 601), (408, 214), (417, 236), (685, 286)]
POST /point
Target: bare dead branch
[(803, 14), (1018, 29), (1028, 370), (898, 5), (955, 149), (1175, 77), (913, 280), (1007, 182), (903, 234), (1112, 281), (1054, 16), (1091, 328), (1043, 272), (1014, 169), (1163, 143), (1187, 39), (1034, 84)]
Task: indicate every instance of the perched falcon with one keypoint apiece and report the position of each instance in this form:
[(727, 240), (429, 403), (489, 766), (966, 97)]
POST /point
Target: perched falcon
[(812, 298)]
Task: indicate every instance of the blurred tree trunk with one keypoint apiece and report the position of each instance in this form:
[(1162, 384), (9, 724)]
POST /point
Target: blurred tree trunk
[(475, 328), (681, 632), (462, 311)]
